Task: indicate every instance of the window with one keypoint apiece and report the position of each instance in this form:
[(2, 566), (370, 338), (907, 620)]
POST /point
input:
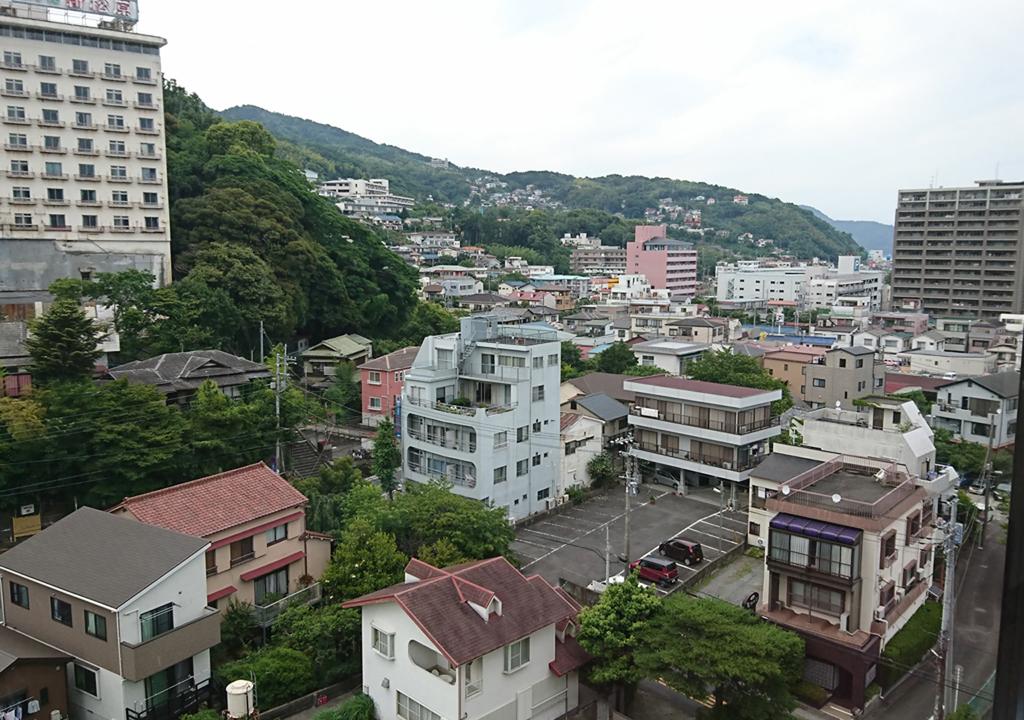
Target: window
[(15, 112), (523, 433), (95, 625), (500, 439), (51, 117), (374, 377), (115, 121), (58, 221), (142, 73), (12, 59), (842, 362), (511, 361), (888, 549), (270, 587), (552, 360), (23, 219), (538, 362), (409, 709), (47, 62), (543, 494), (517, 654), (536, 459), (85, 145), (157, 621), (118, 171), (86, 170), (112, 70), (151, 223), (474, 677), (383, 642), (53, 169), (909, 573), (500, 474), (522, 467), (48, 89), (90, 221), (21, 193), (860, 362), (51, 142), (277, 534), (815, 597), (149, 174), (119, 197), (147, 149), (80, 67), (116, 147), (150, 198), (145, 99), (14, 87), (979, 429), (147, 124), (818, 382), (85, 680), (887, 595), (375, 403), (19, 595), (241, 550), (83, 119), (753, 528), (211, 562), (114, 97), (19, 166), (538, 393), (82, 93), (60, 611), (17, 140)]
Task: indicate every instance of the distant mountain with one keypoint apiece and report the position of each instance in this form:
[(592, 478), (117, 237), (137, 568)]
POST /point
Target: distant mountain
[(333, 152), (869, 234)]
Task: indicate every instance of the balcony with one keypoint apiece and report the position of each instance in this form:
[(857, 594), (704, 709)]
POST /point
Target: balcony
[(144, 105), (15, 120), (114, 102), (143, 80), (471, 410), (140, 660), (266, 614), (87, 178), (115, 128), (726, 426), (83, 126), (115, 78), (118, 179), (149, 179), (431, 661), (147, 131), (87, 151), (17, 147), (83, 99), (455, 474), (712, 461), (13, 92), (454, 444), (22, 200), (49, 96)]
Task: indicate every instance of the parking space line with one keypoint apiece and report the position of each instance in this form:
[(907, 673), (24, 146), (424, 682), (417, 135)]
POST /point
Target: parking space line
[(532, 544), (714, 537), (724, 530), (556, 538), (738, 521), (559, 525)]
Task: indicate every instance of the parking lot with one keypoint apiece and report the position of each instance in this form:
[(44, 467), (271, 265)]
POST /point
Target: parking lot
[(571, 544)]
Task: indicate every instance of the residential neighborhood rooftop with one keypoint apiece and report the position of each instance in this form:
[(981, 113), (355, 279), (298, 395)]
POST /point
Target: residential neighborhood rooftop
[(701, 386), (100, 556), (397, 360), (172, 372), (1004, 384), (603, 406)]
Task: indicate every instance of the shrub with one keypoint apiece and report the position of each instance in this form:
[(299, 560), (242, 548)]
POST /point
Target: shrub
[(871, 691), (204, 714), (813, 695), (576, 494), (359, 707), (281, 673), (909, 645), (754, 552), (964, 712)]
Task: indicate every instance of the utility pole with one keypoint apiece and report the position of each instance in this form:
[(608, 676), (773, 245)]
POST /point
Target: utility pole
[(277, 411), (261, 341), (607, 553), (630, 487), (993, 418), (944, 695)]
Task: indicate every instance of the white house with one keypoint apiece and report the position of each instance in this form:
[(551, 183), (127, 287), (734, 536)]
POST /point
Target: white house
[(669, 354), (127, 602), (581, 437), (929, 340), (941, 362), (471, 642), (970, 407)]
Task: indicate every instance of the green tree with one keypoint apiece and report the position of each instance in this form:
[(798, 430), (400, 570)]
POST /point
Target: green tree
[(365, 560), (612, 631), (616, 358), (747, 664), (602, 470), (238, 630), (967, 457), (571, 354), (722, 366), (644, 370), (62, 344), (387, 456), (281, 673), (219, 431), (343, 398), (441, 553), (329, 635)]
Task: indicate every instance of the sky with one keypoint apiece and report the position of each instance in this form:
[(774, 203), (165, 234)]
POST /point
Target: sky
[(832, 104)]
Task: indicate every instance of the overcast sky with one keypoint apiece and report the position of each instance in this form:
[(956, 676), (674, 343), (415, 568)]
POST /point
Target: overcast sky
[(833, 104)]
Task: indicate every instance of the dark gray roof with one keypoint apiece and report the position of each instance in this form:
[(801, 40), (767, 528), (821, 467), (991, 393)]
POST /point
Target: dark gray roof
[(101, 557), (485, 297), (698, 322), (780, 468), (855, 349), (602, 406), (1004, 384), (173, 372), (609, 384), (747, 349), (12, 342), (14, 647)]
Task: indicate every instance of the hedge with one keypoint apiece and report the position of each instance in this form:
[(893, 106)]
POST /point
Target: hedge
[(813, 695), (281, 674), (910, 644), (359, 707)]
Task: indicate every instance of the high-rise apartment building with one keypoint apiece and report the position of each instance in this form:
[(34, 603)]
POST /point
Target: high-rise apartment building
[(480, 409), (668, 264), (83, 187), (599, 260), (958, 251)]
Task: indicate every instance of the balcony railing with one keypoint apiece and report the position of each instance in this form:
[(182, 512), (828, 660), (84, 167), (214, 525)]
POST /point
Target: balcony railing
[(463, 478), (727, 426), (467, 410), (461, 445), (718, 462), (266, 614), (140, 660), (186, 698)]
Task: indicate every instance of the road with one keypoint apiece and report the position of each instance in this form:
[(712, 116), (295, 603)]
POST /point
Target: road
[(976, 627), (571, 544)]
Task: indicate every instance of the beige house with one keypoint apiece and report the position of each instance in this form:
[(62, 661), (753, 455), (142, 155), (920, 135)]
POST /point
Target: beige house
[(789, 364), (255, 521), (847, 374)]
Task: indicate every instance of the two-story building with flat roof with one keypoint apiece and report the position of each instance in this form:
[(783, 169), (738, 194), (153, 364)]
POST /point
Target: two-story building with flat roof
[(127, 602), (691, 432)]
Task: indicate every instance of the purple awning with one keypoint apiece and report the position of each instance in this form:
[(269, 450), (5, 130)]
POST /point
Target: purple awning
[(816, 529)]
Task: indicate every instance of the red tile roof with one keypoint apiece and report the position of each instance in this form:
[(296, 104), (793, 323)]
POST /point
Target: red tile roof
[(271, 567), (438, 604), (894, 382), (223, 592), (569, 656), (216, 503), (701, 386)]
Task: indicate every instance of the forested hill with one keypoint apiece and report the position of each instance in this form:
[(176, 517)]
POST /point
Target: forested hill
[(333, 152), (869, 234)]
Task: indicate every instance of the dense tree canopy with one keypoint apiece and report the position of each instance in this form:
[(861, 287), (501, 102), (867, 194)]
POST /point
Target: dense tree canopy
[(722, 366), (62, 343)]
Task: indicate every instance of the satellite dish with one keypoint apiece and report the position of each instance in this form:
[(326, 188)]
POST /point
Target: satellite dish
[(836, 498), (785, 490)]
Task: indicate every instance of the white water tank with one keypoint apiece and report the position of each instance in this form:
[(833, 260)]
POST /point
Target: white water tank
[(240, 703)]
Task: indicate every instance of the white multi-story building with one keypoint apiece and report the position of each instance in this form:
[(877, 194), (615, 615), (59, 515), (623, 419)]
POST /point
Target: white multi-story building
[(127, 602), (480, 409), (975, 408), (698, 433), (84, 187), (472, 642), (825, 292), (748, 281), (365, 197)]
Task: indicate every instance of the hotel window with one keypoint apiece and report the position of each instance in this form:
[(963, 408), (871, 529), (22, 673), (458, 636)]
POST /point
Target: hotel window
[(82, 93), (23, 220), (112, 70), (47, 62), (142, 73), (83, 119), (21, 193), (90, 221), (118, 171), (115, 97), (115, 121), (149, 174), (80, 66), (15, 112), (152, 223), (12, 59), (146, 99), (85, 145), (19, 167), (51, 142), (58, 222), (18, 140), (117, 147), (48, 89), (150, 198), (119, 197), (147, 124), (51, 117)]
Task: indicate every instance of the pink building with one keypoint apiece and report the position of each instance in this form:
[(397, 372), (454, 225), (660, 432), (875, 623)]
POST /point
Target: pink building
[(381, 380), (668, 264)]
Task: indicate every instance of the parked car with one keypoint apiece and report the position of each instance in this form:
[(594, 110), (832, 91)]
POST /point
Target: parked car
[(685, 551), (656, 570)]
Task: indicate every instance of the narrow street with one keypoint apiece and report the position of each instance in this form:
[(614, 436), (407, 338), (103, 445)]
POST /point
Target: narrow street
[(976, 627)]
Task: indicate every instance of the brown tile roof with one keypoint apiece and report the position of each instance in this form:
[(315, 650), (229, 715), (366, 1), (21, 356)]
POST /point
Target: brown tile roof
[(609, 384), (569, 656), (397, 360), (701, 386), (219, 502), (567, 421), (438, 604)]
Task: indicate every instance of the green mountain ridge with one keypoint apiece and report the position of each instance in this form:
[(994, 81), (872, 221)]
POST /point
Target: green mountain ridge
[(869, 234), (334, 152)]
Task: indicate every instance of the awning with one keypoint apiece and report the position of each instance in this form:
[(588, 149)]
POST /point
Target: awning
[(223, 592), (271, 567), (816, 529), (569, 656)]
